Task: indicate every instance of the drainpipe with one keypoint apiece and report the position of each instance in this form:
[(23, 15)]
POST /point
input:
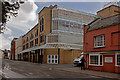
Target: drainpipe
[(58, 55), (72, 57), (51, 21), (87, 60)]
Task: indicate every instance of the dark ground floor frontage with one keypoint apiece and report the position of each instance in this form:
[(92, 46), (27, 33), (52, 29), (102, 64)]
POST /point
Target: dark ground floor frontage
[(50, 56)]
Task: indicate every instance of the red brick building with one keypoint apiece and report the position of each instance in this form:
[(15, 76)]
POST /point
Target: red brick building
[(12, 55), (102, 41)]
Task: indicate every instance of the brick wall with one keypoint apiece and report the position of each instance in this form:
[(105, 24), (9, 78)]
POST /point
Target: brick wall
[(109, 11), (108, 31)]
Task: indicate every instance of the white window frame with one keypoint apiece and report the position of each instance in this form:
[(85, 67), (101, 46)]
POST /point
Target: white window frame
[(98, 59), (52, 59), (96, 42), (116, 59)]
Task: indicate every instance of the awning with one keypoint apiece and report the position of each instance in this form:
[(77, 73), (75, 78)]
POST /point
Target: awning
[(53, 46)]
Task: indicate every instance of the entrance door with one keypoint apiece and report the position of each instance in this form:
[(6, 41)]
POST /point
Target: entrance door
[(52, 59), (40, 58), (109, 63)]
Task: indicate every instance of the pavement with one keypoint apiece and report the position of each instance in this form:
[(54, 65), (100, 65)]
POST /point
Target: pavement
[(11, 74)]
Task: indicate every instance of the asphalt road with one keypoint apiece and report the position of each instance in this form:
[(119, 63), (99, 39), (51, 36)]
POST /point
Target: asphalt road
[(35, 70)]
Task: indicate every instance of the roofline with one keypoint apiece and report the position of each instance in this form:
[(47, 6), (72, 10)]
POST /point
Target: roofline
[(30, 30), (47, 7), (38, 23), (42, 9), (108, 7), (77, 11), (93, 21), (103, 27)]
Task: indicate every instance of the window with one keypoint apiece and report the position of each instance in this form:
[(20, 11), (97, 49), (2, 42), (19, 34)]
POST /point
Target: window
[(118, 59), (36, 41), (41, 39), (23, 47), (99, 41), (31, 37), (41, 25), (52, 59), (31, 44), (101, 60), (26, 39), (66, 24), (36, 33), (27, 45), (95, 59), (23, 41)]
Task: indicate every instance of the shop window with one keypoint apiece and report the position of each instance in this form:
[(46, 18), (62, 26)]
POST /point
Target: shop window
[(96, 60), (99, 41)]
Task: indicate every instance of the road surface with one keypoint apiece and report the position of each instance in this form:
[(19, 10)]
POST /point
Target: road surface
[(22, 69)]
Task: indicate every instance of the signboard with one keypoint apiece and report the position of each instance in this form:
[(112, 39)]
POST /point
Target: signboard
[(108, 59)]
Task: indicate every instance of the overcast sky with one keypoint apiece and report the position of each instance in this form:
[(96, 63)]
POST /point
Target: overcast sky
[(28, 17)]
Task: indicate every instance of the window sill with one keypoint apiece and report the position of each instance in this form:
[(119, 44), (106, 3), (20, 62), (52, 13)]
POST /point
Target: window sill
[(117, 65), (99, 47), (94, 65)]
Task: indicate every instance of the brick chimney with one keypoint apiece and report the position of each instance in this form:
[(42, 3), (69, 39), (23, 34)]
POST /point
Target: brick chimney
[(109, 11)]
